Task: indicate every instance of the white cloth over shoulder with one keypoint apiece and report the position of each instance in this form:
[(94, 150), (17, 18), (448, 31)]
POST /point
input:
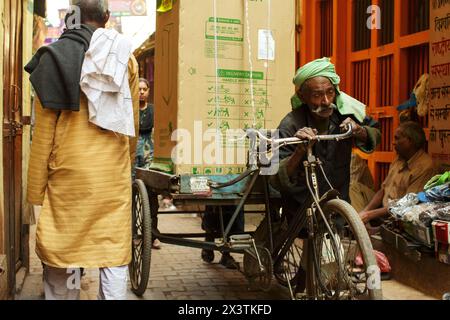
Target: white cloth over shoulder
[(104, 81)]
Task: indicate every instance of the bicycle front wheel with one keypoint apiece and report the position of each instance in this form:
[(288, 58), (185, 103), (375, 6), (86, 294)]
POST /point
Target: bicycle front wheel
[(344, 261)]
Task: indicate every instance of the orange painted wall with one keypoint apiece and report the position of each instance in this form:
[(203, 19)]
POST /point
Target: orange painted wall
[(380, 75)]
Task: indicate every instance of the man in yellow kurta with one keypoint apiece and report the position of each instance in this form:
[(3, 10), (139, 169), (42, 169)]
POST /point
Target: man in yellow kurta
[(81, 175)]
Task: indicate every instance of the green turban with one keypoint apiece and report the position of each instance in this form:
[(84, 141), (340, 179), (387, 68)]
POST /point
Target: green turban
[(324, 68)]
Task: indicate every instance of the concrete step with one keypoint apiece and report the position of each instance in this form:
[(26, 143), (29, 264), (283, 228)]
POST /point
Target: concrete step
[(420, 271)]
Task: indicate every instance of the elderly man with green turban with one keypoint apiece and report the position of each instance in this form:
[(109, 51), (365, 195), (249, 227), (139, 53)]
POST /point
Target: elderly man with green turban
[(319, 107)]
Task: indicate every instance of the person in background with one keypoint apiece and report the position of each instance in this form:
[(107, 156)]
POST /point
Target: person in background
[(144, 150), (409, 172)]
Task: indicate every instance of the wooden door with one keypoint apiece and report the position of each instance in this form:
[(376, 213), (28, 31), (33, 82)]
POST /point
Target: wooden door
[(12, 136)]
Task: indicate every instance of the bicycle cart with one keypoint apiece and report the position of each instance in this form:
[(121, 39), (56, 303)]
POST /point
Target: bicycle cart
[(332, 260), (188, 191)]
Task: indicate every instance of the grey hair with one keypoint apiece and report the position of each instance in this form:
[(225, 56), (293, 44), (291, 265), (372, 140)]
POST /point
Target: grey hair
[(92, 10), (414, 131)]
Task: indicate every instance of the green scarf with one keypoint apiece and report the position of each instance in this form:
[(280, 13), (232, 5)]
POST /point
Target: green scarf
[(324, 68)]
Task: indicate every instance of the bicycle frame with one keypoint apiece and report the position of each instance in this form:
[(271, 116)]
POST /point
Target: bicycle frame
[(254, 172), (305, 218), (306, 215), (268, 255), (308, 212)]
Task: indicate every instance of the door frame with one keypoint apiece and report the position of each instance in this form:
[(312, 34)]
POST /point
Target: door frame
[(12, 137)]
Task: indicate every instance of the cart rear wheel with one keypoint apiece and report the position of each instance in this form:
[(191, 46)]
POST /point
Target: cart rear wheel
[(139, 267)]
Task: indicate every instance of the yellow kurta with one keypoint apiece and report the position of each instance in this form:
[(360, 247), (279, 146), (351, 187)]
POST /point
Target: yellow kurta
[(81, 175)]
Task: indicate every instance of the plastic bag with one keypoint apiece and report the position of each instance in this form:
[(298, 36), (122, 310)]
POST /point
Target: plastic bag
[(444, 213), (398, 208), (437, 180), (424, 214), (382, 261), (439, 193), (421, 214)]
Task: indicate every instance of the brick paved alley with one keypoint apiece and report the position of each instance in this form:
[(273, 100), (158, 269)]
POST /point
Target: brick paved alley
[(176, 272), (179, 273)]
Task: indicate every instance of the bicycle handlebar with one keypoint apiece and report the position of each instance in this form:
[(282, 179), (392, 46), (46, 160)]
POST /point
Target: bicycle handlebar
[(294, 140), (279, 143)]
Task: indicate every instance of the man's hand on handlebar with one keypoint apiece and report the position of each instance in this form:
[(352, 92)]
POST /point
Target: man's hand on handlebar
[(308, 134), (359, 132), (304, 134)]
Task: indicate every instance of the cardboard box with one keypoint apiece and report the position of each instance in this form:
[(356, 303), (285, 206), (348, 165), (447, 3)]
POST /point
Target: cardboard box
[(421, 234), (441, 231), (197, 89)]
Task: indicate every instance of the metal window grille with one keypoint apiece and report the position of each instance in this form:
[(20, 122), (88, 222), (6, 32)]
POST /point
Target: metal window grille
[(418, 15), (385, 74), (361, 81), (361, 34), (418, 64), (386, 34), (387, 129), (326, 34)]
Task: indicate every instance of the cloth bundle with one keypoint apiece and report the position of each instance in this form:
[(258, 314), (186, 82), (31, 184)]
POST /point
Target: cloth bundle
[(104, 81)]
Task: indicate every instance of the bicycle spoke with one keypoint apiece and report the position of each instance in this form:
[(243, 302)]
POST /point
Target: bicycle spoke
[(338, 275)]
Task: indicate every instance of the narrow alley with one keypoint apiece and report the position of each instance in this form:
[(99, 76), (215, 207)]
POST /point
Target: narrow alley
[(178, 273)]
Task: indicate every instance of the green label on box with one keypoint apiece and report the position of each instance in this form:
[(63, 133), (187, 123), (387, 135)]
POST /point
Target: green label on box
[(240, 74), (225, 20), (224, 29)]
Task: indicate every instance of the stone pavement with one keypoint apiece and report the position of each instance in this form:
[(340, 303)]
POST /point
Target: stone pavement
[(178, 273)]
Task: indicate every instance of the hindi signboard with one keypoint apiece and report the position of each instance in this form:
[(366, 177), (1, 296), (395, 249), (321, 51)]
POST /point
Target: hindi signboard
[(439, 111)]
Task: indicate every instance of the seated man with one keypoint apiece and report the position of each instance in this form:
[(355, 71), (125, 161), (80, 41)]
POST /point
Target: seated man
[(319, 107), (409, 172)]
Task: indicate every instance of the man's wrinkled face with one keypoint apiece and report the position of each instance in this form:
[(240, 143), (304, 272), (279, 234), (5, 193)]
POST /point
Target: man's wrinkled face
[(319, 94), (402, 143), (144, 92)]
